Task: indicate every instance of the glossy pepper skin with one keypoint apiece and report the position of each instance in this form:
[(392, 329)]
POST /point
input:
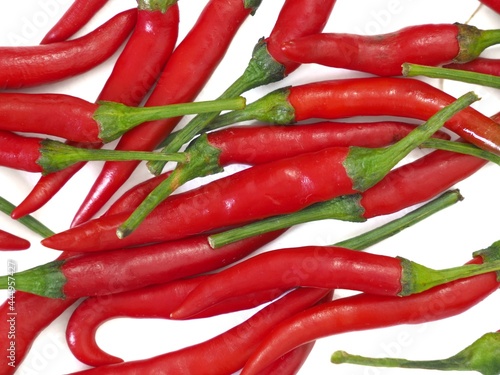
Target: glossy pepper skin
[(237, 343), (367, 311), (75, 17), (22, 67), (155, 35), (383, 55), (9, 241), (183, 77), (483, 65), (155, 301)]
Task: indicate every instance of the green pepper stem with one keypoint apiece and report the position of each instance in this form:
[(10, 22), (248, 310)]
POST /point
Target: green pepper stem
[(115, 119), (155, 5), (367, 166), (345, 208), (55, 155), (488, 80), (417, 278), (462, 148), (28, 221), (481, 356)]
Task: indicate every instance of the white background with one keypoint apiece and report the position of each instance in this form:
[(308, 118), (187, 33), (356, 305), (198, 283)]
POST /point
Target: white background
[(445, 240)]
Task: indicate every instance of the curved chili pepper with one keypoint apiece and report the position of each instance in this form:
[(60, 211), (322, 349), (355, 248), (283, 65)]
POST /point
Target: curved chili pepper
[(373, 96), (35, 65), (493, 4), (480, 356), (176, 84), (257, 144), (9, 241), (262, 187), (48, 156), (237, 343), (479, 65), (348, 159), (78, 120), (155, 35), (367, 311), (382, 55), (77, 15), (159, 263), (155, 301), (320, 267)]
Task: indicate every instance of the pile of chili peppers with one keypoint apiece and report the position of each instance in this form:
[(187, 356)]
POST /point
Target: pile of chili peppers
[(226, 244)]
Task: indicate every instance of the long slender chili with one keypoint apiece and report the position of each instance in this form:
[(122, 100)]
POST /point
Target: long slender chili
[(382, 55), (75, 17), (257, 144), (480, 356), (237, 343), (176, 84), (35, 154), (367, 311), (93, 312), (345, 157), (262, 187), (479, 65), (27, 66), (155, 35), (321, 267), (155, 301), (78, 120), (9, 241)]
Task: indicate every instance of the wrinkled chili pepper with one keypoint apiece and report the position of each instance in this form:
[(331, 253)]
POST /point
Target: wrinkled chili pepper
[(159, 194), (34, 154), (367, 311), (75, 17), (382, 55), (176, 84), (9, 241), (237, 343), (155, 35), (27, 66), (257, 144), (262, 187), (480, 356), (78, 120), (159, 263), (155, 301), (320, 267)]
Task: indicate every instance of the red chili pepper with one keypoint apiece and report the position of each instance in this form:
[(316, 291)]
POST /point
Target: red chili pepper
[(155, 35), (9, 241), (48, 156), (35, 65), (261, 186), (237, 343), (480, 65), (159, 263), (156, 301), (493, 4), (258, 144), (429, 44), (78, 120), (366, 311), (373, 96), (320, 267), (77, 15), (176, 84)]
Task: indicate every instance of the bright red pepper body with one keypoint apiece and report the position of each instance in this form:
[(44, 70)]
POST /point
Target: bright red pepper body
[(9, 241), (367, 311), (183, 77), (382, 55), (19, 152), (75, 17), (36, 65), (480, 65)]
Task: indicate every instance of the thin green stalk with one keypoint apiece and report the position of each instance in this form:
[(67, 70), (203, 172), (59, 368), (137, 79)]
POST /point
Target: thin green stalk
[(28, 221), (461, 148), (345, 208), (488, 80), (55, 155)]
